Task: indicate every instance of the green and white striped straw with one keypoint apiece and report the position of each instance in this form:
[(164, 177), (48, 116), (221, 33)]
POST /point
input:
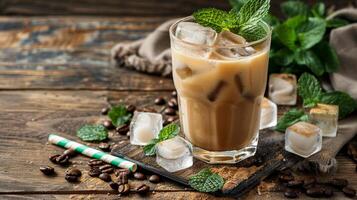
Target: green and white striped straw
[(90, 152)]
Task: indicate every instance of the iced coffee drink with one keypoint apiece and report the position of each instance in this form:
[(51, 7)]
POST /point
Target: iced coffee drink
[(220, 79)]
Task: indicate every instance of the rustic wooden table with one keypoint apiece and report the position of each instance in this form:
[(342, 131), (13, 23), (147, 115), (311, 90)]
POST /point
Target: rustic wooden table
[(55, 75)]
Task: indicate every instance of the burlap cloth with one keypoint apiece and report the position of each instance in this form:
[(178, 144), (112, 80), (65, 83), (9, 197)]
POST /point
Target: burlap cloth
[(152, 55)]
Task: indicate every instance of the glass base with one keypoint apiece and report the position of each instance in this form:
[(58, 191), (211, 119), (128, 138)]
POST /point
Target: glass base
[(226, 157)]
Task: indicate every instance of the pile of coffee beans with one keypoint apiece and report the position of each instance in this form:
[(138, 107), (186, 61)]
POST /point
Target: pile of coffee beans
[(170, 107)]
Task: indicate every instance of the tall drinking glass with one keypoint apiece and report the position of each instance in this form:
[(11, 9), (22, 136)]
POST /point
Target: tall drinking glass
[(219, 94)]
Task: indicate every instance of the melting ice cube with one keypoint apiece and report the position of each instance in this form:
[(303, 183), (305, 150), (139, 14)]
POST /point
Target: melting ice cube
[(268, 114), (195, 33), (282, 89), (326, 117), (303, 139), (144, 127), (174, 154)]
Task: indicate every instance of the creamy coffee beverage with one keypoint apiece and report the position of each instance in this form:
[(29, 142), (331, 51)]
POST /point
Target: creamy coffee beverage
[(220, 82)]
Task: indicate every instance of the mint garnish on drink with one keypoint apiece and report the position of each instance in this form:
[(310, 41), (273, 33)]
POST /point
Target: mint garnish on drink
[(166, 133), (206, 181), (119, 115), (92, 133), (291, 117), (245, 21)]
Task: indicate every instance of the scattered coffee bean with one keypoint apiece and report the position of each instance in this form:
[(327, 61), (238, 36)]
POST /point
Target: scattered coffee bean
[(62, 160), (328, 192), (105, 177), (104, 167), (94, 162), (338, 183), (123, 178), (169, 111), (349, 192), (154, 178), (143, 189), (174, 93), (160, 101), (47, 170), (109, 170), (291, 194), (70, 153), (105, 111), (285, 178), (173, 103), (71, 178), (104, 146), (309, 182), (94, 172), (295, 183), (319, 191), (124, 189), (73, 172), (119, 171), (108, 124), (113, 185), (130, 108), (122, 130), (53, 158), (139, 176)]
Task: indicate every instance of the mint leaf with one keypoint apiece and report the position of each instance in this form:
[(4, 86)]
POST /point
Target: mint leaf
[(311, 32), (283, 57), (346, 104), (92, 133), (318, 10), (328, 56), (293, 8), (253, 11), (212, 17), (309, 89), (271, 20), (206, 181), (149, 149), (119, 115), (310, 59), (336, 22), (253, 32), (237, 4), (286, 35), (291, 117)]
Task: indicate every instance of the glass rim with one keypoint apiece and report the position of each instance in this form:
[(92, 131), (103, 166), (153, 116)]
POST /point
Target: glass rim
[(172, 35)]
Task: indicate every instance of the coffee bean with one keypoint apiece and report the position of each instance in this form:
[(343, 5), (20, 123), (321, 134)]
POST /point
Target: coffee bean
[(160, 101), (309, 182), (70, 153), (94, 172), (113, 185), (47, 170), (62, 160), (130, 108), (109, 170), (105, 111), (169, 111), (108, 124), (295, 183), (53, 158), (139, 176), (94, 162), (104, 167), (174, 93), (154, 178), (328, 192), (338, 183), (143, 189), (285, 178), (105, 177), (349, 192), (119, 171), (319, 191), (291, 194), (73, 172), (70, 178), (173, 103), (104, 146), (124, 189), (122, 130)]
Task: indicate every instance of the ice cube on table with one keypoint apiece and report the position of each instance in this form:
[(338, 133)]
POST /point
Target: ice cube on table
[(282, 89), (174, 154), (268, 114), (195, 33), (230, 41), (326, 117), (303, 139), (144, 127)]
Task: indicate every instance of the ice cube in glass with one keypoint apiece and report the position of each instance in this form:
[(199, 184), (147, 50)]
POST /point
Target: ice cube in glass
[(303, 139), (174, 154), (282, 89), (326, 117), (144, 127), (268, 114)]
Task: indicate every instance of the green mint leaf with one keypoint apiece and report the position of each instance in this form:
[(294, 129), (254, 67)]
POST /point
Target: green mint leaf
[(283, 57), (206, 181), (212, 17), (311, 60), (311, 32), (293, 8), (318, 10), (291, 117), (237, 4), (149, 149), (346, 104), (92, 133), (253, 11), (286, 32), (119, 115), (271, 20), (253, 32), (328, 56), (309, 89), (336, 22)]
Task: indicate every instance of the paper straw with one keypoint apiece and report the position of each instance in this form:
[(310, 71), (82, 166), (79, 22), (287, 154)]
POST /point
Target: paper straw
[(90, 152)]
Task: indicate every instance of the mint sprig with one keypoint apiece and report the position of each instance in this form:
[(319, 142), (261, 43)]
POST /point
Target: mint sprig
[(291, 117), (166, 133), (119, 115), (206, 181), (91, 133)]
